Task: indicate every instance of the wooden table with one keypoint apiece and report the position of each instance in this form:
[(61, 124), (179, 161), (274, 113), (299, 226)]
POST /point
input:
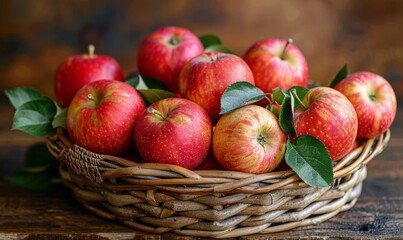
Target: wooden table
[(24, 214)]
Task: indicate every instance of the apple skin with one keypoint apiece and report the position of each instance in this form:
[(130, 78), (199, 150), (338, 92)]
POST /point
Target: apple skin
[(102, 117), (174, 131), (164, 52), (204, 79), (79, 70), (271, 69), (209, 163), (249, 139), (373, 99), (330, 117)]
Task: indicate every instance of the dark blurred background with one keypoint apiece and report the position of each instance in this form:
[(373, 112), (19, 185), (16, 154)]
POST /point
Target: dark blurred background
[(36, 36)]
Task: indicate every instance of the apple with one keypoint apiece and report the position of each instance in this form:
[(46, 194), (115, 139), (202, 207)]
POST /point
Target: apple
[(102, 117), (209, 163), (276, 63), (330, 117), (249, 139), (163, 53), (174, 131), (204, 79), (373, 99), (79, 70)]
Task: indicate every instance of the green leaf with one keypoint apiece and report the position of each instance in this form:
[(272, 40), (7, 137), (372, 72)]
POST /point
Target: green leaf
[(209, 39), (152, 83), (289, 100), (298, 92), (218, 48), (309, 158), (35, 117), (278, 95), (134, 81), (60, 119), (35, 181), (274, 110), (342, 74), (154, 95), (286, 117), (21, 95), (239, 94), (38, 158)]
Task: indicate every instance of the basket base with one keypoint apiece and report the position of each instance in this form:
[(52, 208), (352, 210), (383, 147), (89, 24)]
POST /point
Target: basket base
[(295, 211)]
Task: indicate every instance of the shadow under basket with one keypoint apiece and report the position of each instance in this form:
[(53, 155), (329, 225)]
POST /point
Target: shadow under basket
[(161, 198)]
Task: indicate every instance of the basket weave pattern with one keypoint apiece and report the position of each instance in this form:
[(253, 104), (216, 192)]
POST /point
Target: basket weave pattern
[(162, 198)]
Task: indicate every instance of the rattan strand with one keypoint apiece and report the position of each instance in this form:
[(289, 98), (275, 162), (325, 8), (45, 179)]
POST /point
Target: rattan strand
[(161, 198)]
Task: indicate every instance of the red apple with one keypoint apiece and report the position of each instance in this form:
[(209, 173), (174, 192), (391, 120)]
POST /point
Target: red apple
[(102, 117), (165, 51), (328, 115), (79, 70), (205, 78), (174, 131), (373, 99), (276, 63), (355, 145), (249, 139), (209, 163)]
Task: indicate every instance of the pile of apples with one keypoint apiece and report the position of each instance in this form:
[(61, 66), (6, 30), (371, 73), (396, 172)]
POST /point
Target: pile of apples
[(107, 116)]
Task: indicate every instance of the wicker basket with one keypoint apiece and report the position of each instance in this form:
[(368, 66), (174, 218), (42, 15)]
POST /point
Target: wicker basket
[(161, 198)]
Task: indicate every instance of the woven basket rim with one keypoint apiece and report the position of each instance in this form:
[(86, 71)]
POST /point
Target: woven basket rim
[(90, 165)]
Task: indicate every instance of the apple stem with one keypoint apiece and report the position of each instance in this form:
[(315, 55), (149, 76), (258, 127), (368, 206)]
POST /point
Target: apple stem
[(174, 41), (215, 57), (294, 92), (372, 96), (289, 41), (268, 99), (152, 110), (90, 97), (261, 139), (91, 50)]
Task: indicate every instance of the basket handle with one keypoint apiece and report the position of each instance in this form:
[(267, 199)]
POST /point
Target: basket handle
[(83, 162), (80, 160)]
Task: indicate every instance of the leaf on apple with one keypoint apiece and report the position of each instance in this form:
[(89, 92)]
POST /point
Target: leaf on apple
[(35, 117), (35, 113), (298, 92), (309, 158), (133, 81), (218, 48), (278, 95), (60, 119), (19, 96), (289, 100), (286, 117), (212, 43), (342, 74), (151, 83), (240, 94), (209, 39), (151, 96)]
